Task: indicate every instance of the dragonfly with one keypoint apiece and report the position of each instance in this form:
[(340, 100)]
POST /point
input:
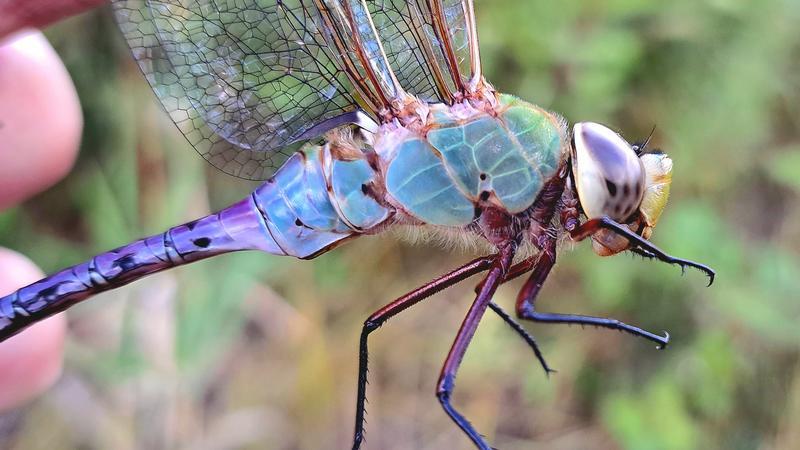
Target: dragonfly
[(364, 115)]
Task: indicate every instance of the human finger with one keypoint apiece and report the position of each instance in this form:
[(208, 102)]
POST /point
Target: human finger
[(30, 361), (18, 14), (40, 118)]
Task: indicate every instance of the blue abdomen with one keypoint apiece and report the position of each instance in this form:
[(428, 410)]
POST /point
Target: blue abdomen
[(314, 201)]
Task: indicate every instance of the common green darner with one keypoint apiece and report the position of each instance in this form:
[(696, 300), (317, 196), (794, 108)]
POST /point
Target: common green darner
[(363, 115)]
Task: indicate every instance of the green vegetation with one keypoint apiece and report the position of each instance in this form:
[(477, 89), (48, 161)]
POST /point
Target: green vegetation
[(253, 351)]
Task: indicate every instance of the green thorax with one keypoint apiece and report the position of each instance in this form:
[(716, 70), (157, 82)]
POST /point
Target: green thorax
[(463, 158)]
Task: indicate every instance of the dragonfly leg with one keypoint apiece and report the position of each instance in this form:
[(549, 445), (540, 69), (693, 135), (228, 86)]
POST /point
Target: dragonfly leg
[(581, 232), (517, 270), (646, 254), (523, 333), (446, 384), (382, 315), (527, 298)]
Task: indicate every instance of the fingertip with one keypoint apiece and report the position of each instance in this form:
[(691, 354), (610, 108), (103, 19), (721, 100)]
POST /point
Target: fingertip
[(40, 117), (16, 14), (31, 361)]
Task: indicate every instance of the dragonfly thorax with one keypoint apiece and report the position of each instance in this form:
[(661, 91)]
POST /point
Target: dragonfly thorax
[(459, 161)]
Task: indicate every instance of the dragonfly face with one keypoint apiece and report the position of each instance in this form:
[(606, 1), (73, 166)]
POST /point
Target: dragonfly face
[(612, 180)]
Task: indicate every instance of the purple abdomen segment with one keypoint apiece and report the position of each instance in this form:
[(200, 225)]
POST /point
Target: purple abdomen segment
[(238, 227), (309, 206)]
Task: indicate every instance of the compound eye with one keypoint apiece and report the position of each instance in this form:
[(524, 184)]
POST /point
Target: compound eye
[(608, 175)]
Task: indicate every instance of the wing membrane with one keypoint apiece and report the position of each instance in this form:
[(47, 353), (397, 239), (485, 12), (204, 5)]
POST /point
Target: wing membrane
[(405, 31), (242, 79), (247, 80), (360, 47), (430, 44), (458, 16)]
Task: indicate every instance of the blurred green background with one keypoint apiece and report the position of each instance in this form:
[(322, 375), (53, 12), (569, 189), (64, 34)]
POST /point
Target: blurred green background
[(253, 351)]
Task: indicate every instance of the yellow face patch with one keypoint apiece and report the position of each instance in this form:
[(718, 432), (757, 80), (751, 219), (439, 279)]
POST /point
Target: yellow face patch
[(658, 177)]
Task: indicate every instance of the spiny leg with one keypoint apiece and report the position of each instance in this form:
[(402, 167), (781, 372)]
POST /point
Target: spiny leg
[(527, 298), (516, 271), (645, 254), (379, 317), (581, 232), (399, 305), (523, 333), (446, 384)]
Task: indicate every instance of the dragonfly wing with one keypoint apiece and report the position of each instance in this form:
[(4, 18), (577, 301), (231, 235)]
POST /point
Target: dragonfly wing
[(430, 44), (459, 22), (243, 80)]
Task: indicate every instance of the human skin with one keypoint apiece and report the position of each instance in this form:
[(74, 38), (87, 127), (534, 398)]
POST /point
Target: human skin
[(40, 129)]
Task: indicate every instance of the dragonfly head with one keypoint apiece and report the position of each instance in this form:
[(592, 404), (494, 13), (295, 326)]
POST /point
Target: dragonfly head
[(622, 181)]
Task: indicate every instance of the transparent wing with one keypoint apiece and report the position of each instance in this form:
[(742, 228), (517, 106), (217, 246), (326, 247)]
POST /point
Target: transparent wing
[(459, 22), (430, 44), (405, 31), (243, 80), (360, 51)]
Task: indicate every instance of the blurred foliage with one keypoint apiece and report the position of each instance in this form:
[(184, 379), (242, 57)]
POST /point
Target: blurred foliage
[(253, 351)]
